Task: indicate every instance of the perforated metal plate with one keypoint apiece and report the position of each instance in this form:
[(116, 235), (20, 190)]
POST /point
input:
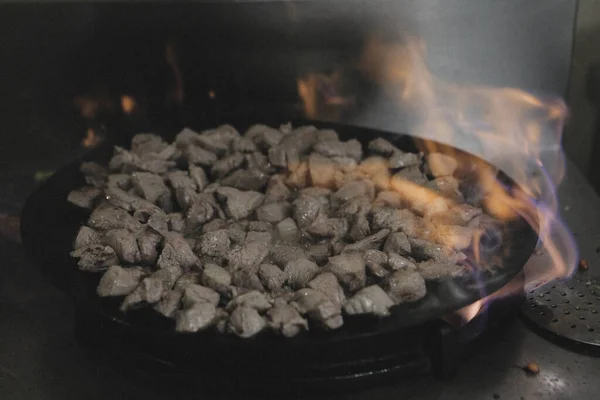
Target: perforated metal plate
[(568, 309)]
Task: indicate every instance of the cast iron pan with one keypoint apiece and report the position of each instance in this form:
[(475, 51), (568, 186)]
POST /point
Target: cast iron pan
[(49, 225)]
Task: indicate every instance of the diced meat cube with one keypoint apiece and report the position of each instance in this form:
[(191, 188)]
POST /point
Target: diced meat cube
[(370, 300), (371, 242), (214, 244), (247, 256), (274, 212), (328, 284), (245, 322), (286, 320), (375, 261), (199, 316), (85, 237), (119, 281), (85, 197), (299, 272), (318, 307), (169, 304), (434, 270), (124, 244), (238, 204), (227, 164), (282, 254), (405, 286), (216, 278), (349, 268), (397, 242), (397, 262), (95, 258), (193, 294), (271, 276), (106, 218)]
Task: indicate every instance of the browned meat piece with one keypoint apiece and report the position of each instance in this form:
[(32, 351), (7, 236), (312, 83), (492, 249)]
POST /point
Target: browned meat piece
[(260, 237), (441, 164), (389, 199), (85, 197), (329, 227), (246, 179), (271, 276), (287, 153), (259, 161), (175, 222), (328, 284), (412, 174), (148, 241), (375, 260), (322, 170), (397, 242), (333, 148), (360, 228), (243, 145), (124, 161), (247, 279), (349, 268), (150, 291), (395, 220), (152, 188), (85, 237), (305, 210), (247, 256), (327, 134), (370, 300), (405, 286), (214, 244), (319, 252), (198, 176), (318, 307), (120, 198), (274, 212), (299, 272), (227, 164), (193, 294), (237, 235), (168, 269), (202, 209), (119, 281), (218, 140), (124, 244), (277, 190), (259, 226), (282, 254), (215, 225), (370, 242), (286, 320), (95, 258), (252, 299), (169, 303), (186, 137), (264, 136), (181, 249), (383, 147), (143, 143), (353, 190), (187, 279), (397, 262), (434, 270), (216, 278), (245, 322), (198, 316), (239, 204), (121, 181), (287, 230), (184, 186), (424, 250), (159, 221), (401, 159), (196, 155)]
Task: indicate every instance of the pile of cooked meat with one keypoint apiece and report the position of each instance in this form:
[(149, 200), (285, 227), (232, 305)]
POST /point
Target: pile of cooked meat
[(281, 229)]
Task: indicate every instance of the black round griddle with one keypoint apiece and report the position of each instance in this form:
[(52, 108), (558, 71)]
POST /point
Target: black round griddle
[(361, 347)]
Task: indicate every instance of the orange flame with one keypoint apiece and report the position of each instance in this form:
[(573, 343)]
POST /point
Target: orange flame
[(128, 104), (513, 130)]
